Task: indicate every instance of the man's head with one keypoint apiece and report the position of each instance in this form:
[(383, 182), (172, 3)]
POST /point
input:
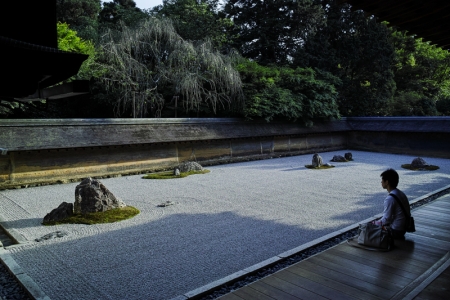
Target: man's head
[(390, 176)]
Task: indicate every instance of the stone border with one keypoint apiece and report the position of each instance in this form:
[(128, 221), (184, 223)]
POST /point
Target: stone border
[(216, 285), (24, 280)]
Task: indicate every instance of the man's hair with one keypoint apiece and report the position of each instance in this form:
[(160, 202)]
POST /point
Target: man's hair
[(391, 176)]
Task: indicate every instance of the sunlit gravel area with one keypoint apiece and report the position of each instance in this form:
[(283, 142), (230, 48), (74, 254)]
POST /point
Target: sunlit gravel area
[(224, 221)]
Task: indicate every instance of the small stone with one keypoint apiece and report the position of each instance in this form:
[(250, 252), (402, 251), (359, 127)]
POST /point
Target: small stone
[(167, 203), (176, 172), (52, 235)]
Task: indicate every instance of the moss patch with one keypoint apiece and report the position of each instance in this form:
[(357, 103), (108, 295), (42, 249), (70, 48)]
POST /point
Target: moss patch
[(110, 216), (318, 168), (427, 168), (170, 175)]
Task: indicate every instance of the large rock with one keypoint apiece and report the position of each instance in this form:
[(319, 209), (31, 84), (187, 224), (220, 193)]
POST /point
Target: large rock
[(190, 166), (63, 211), (418, 162), (317, 160), (339, 158), (92, 196), (348, 156)]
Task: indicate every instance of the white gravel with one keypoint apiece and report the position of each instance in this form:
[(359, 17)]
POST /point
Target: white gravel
[(224, 221)]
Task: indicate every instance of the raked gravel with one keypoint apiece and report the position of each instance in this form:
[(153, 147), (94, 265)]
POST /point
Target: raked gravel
[(227, 220)]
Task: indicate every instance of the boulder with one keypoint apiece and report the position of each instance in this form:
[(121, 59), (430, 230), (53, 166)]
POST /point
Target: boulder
[(63, 211), (190, 166), (176, 172), (348, 156), (317, 160), (418, 162), (92, 196), (339, 158)]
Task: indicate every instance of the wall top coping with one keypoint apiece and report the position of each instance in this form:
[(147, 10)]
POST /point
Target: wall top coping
[(143, 121), (116, 121)]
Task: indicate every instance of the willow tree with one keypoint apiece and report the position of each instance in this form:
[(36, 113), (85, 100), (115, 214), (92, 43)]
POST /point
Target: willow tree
[(142, 65)]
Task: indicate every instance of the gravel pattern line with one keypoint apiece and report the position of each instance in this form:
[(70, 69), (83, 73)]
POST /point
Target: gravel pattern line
[(224, 221)]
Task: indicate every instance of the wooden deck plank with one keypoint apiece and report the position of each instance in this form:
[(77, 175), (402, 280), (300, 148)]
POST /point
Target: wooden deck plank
[(305, 283), (396, 255), (429, 232), (291, 289), (443, 202), (390, 282), (430, 242), (431, 228), (343, 259), (247, 293), (230, 296), (441, 209), (271, 291), (425, 219), (320, 279), (317, 265), (433, 216)]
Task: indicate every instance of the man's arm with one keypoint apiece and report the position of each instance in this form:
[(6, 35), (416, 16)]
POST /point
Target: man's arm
[(387, 212)]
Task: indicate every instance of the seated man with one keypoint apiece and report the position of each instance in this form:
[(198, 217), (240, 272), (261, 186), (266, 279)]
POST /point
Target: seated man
[(393, 214)]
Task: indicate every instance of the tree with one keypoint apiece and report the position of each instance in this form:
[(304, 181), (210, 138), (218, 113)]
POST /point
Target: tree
[(69, 41), (146, 63), (120, 11), (422, 75), (269, 31), (300, 94), (81, 15), (197, 20), (358, 50)]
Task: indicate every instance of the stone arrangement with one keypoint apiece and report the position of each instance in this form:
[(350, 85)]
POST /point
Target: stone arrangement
[(339, 158), (418, 163), (92, 196), (189, 166), (317, 161)]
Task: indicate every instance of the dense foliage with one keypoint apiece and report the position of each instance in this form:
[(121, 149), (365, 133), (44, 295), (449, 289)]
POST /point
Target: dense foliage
[(303, 61), (287, 93)]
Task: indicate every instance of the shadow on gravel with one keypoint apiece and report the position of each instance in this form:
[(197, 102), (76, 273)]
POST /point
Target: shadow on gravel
[(160, 259)]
